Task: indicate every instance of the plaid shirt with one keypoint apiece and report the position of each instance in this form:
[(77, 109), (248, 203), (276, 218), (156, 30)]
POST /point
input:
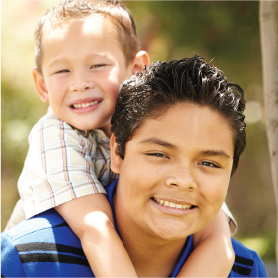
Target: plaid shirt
[(62, 164)]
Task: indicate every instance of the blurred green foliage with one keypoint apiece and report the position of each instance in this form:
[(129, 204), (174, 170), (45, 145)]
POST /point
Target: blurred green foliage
[(226, 31)]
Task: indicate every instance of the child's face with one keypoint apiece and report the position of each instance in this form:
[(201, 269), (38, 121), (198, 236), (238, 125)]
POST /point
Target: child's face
[(83, 66), (183, 157)]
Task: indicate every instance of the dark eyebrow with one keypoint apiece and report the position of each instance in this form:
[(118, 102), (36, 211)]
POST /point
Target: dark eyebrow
[(215, 153), (158, 142)]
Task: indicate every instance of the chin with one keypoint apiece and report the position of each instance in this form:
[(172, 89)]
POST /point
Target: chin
[(170, 236), (172, 232)]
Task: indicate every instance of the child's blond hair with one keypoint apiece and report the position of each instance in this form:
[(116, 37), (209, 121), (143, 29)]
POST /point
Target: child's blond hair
[(62, 13)]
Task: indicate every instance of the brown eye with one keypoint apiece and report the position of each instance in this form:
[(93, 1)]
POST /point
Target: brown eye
[(97, 66), (158, 155), (207, 163), (62, 71)]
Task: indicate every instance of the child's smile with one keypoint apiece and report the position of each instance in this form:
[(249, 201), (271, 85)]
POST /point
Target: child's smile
[(85, 105), (83, 67), (176, 170), (80, 104)]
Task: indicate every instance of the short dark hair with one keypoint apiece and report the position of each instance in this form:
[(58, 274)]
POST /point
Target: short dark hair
[(62, 13), (162, 85)]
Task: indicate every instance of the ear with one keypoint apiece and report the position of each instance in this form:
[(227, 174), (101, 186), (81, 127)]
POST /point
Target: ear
[(116, 160), (40, 85), (140, 60)]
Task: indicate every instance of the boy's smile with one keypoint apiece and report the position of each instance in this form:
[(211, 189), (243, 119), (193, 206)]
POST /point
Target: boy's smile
[(83, 66), (175, 171)]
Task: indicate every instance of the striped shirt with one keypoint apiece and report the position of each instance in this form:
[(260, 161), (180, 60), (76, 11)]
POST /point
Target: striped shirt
[(62, 164), (45, 246)]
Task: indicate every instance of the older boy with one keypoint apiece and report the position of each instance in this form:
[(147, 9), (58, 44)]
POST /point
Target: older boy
[(178, 133), (84, 51)]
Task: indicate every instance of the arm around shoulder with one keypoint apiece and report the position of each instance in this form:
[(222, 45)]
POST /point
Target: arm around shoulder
[(91, 219)]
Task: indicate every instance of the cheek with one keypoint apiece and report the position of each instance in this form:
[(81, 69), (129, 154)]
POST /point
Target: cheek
[(133, 185), (111, 90), (214, 191), (135, 191), (57, 86), (216, 196), (131, 199), (116, 78)]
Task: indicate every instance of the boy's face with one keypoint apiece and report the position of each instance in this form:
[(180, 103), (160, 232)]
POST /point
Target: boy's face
[(83, 66), (183, 158)]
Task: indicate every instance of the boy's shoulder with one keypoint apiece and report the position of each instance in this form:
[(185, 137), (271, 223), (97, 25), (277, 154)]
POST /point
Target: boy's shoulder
[(44, 238), (247, 262), (29, 229)]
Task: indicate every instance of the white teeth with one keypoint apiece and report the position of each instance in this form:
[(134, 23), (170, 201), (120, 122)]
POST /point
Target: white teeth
[(171, 205), (83, 105)]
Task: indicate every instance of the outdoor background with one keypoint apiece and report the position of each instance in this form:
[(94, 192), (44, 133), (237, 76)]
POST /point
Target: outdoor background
[(227, 32)]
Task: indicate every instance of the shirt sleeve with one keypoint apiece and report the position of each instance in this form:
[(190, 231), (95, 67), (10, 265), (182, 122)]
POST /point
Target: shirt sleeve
[(59, 167), (231, 220), (11, 265), (258, 269), (247, 262)]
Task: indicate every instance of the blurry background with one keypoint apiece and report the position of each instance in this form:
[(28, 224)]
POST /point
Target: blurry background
[(227, 32)]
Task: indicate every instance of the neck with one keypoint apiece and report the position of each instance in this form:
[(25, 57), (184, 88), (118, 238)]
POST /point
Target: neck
[(151, 256), (106, 129)]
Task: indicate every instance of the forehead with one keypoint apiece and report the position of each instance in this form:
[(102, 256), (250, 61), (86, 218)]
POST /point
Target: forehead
[(97, 27), (96, 24), (188, 127)]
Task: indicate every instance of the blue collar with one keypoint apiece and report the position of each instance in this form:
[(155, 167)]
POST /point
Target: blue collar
[(187, 249)]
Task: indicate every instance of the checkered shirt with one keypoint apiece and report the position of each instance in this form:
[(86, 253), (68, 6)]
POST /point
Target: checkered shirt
[(62, 164)]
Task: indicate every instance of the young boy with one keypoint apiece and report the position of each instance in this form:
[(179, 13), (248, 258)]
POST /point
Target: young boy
[(84, 51)]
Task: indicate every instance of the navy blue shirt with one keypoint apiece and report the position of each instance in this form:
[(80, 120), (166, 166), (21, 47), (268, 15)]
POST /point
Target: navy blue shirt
[(45, 246)]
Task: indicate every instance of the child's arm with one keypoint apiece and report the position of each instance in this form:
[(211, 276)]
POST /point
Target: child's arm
[(213, 255), (62, 168), (90, 217)]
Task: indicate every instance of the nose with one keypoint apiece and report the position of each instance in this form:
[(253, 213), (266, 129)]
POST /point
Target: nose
[(182, 178), (81, 82)]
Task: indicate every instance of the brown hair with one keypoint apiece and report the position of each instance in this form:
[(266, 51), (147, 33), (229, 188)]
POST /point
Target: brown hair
[(159, 86), (62, 13)]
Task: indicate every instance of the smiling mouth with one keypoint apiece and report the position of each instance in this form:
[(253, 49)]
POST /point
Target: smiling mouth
[(86, 104), (172, 205)]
